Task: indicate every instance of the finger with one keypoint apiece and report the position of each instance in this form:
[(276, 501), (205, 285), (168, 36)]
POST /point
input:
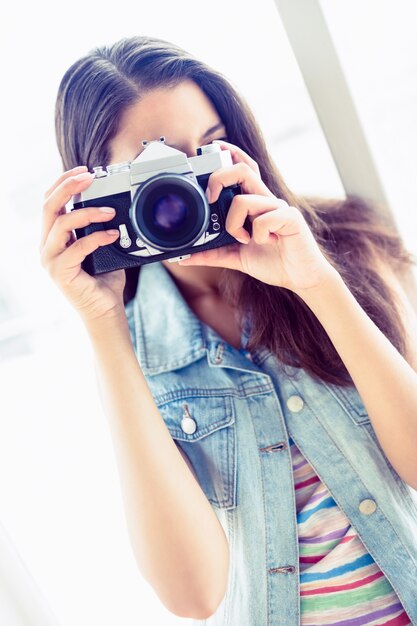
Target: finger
[(73, 172), (63, 265), (60, 235), (225, 256), (239, 174), (238, 155), (283, 222), (251, 206), (62, 194)]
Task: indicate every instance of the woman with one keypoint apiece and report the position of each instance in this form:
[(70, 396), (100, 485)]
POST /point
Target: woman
[(262, 396)]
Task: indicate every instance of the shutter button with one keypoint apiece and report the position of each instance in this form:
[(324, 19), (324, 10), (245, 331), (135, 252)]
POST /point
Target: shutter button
[(188, 424), (295, 404)]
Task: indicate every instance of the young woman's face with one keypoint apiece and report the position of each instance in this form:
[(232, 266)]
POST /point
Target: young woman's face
[(182, 114)]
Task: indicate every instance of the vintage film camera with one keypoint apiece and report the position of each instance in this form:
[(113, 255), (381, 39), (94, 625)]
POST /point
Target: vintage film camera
[(162, 211)]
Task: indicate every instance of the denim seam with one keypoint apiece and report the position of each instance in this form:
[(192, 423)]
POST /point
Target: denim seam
[(266, 536), (198, 392), (295, 523), (230, 526), (230, 435), (191, 357), (343, 398), (234, 452)]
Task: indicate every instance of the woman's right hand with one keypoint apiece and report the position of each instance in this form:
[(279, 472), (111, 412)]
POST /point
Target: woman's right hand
[(94, 297)]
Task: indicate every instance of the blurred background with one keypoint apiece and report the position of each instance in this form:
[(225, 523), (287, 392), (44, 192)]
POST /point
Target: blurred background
[(65, 555)]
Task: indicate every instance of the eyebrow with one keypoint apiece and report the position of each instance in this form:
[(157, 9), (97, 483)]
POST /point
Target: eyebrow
[(213, 129)]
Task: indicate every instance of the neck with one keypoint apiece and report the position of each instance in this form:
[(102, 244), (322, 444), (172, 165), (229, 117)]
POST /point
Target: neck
[(196, 281)]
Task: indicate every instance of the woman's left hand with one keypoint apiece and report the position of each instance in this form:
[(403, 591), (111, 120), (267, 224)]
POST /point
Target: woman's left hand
[(282, 250)]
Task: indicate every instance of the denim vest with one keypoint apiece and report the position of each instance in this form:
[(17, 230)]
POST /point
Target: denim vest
[(233, 416)]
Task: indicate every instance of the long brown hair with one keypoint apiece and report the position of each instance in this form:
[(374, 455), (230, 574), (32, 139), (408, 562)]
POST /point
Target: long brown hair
[(96, 90)]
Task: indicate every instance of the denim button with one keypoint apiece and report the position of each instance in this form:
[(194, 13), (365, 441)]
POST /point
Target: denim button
[(188, 425), (295, 404), (367, 507)]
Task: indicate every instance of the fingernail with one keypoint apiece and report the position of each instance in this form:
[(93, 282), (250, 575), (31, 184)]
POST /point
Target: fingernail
[(112, 232), (83, 176), (106, 209), (241, 240), (208, 195)]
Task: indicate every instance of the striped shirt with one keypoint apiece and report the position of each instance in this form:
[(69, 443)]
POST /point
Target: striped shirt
[(340, 583)]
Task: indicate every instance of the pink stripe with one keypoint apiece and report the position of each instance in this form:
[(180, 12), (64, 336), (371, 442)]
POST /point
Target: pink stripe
[(311, 559), (310, 481)]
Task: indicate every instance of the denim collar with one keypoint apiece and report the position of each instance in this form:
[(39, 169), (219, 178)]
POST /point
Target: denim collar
[(168, 333)]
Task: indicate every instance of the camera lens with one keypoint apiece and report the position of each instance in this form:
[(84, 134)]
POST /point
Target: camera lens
[(169, 211)]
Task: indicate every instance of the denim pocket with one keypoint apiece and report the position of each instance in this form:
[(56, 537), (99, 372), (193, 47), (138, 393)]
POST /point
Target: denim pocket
[(203, 427)]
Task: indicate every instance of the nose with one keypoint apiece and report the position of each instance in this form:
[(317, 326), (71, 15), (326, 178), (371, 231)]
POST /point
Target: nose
[(190, 149)]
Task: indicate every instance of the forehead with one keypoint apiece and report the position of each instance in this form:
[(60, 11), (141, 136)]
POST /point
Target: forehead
[(179, 113)]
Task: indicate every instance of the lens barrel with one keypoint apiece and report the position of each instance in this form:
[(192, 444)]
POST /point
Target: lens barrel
[(169, 211)]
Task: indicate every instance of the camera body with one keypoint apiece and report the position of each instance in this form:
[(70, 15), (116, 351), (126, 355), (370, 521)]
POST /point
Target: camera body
[(161, 209)]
